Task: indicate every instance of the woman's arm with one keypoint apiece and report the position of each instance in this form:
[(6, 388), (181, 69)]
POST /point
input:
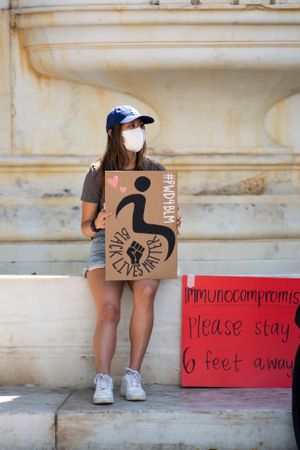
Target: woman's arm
[(89, 214)]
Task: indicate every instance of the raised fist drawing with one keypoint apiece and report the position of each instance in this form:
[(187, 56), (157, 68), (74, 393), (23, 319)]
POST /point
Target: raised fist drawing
[(135, 252)]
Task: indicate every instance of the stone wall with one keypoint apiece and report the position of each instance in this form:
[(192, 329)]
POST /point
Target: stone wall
[(222, 79)]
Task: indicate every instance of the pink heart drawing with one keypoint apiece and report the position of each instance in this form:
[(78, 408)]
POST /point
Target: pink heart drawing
[(123, 189), (113, 181)]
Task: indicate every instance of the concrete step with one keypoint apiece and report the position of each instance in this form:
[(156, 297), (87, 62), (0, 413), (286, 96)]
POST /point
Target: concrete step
[(172, 418)]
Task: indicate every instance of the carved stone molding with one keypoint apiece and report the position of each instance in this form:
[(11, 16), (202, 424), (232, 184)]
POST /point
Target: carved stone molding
[(211, 76), (281, 122)]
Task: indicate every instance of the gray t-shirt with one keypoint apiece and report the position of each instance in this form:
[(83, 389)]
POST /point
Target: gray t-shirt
[(91, 187)]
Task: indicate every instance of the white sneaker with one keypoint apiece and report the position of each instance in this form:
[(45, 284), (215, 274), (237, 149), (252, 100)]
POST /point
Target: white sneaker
[(104, 389), (131, 385)]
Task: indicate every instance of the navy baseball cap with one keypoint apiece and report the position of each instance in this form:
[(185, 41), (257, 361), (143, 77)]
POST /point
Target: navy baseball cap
[(124, 114)]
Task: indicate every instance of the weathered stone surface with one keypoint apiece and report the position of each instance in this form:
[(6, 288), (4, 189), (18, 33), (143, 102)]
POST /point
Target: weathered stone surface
[(175, 418), (207, 3), (4, 4), (69, 118), (280, 122), (43, 202), (206, 56), (232, 133), (223, 217), (47, 323), (250, 257), (5, 87), (33, 418), (27, 417)]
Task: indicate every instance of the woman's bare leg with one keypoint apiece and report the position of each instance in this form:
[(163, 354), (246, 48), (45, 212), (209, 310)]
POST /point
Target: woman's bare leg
[(142, 319), (107, 296)]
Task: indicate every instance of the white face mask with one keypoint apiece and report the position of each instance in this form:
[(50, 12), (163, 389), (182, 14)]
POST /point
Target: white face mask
[(134, 139)]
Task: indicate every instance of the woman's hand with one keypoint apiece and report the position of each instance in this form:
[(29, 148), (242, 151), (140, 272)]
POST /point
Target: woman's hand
[(178, 222), (100, 221)]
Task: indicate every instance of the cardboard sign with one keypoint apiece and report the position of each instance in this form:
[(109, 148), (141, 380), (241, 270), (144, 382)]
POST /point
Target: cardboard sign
[(141, 236), (239, 331)]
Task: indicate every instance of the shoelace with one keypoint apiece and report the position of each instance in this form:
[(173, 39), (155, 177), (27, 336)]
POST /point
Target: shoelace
[(102, 381), (134, 379)]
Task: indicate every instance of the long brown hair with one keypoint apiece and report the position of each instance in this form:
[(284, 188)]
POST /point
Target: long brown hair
[(115, 156)]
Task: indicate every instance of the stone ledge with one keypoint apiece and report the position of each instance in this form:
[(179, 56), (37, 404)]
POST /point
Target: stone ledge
[(188, 250), (175, 418), (199, 159), (27, 417), (40, 6), (171, 418), (47, 324)]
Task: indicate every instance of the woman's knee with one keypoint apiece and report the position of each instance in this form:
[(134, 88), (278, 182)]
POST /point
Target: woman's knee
[(109, 313), (148, 291), (144, 297)]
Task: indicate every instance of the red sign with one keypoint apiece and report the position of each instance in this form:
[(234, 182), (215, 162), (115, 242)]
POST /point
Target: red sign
[(239, 331)]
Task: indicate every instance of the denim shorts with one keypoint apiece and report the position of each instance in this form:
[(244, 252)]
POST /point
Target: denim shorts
[(96, 259)]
